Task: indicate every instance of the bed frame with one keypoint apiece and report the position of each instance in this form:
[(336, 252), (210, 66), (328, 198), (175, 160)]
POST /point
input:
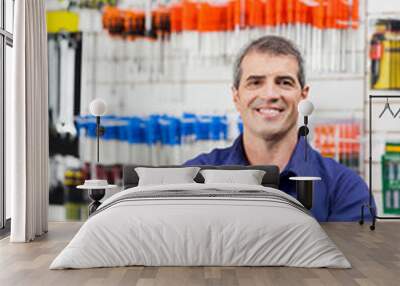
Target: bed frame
[(270, 179)]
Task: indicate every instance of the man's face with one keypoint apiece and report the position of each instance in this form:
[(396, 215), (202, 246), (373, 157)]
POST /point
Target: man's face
[(268, 94)]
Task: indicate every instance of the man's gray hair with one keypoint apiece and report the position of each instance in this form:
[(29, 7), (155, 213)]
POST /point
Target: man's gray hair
[(273, 45)]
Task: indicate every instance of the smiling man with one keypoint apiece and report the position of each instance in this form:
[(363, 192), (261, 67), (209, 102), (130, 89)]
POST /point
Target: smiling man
[(269, 83)]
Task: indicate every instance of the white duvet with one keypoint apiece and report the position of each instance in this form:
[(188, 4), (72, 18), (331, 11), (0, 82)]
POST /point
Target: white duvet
[(183, 231)]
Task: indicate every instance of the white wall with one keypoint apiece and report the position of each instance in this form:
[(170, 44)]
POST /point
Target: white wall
[(383, 6), (111, 71)]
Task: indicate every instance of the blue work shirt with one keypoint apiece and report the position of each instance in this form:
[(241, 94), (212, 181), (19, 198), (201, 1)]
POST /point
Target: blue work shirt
[(337, 197)]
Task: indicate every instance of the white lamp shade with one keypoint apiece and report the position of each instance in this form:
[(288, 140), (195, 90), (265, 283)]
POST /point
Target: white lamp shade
[(97, 107), (305, 107)]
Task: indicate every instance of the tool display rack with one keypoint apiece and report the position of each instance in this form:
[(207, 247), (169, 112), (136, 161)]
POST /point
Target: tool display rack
[(369, 205), (371, 99)]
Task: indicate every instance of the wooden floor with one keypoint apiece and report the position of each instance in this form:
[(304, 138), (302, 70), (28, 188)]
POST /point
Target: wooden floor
[(375, 257)]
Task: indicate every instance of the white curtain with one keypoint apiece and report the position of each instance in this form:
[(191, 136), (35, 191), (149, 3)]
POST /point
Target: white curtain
[(27, 124)]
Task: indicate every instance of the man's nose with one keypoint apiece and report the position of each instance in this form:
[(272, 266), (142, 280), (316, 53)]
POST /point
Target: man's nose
[(270, 92)]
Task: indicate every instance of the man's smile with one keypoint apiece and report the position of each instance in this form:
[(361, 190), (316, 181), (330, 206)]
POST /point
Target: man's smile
[(269, 113)]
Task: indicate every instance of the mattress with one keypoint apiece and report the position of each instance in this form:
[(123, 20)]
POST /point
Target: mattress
[(201, 225)]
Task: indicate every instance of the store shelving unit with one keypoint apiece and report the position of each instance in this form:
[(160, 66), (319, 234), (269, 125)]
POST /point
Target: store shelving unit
[(372, 102)]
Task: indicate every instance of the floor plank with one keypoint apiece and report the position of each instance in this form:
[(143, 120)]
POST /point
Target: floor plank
[(374, 255)]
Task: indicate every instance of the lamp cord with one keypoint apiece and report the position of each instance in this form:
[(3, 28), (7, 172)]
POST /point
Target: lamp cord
[(305, 137), (305, 148), (98, 135)]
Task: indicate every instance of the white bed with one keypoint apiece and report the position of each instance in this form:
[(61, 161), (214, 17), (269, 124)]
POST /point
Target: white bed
[(201, 224)]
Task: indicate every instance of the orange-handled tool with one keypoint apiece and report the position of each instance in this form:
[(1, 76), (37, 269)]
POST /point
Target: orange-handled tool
[(270, 16), (230, 17), (257, 13), (176, 18), (355, 16), (189, 15), (290, 12), (279, 12)]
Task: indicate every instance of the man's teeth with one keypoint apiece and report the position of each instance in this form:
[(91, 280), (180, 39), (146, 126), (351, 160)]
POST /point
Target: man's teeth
[(268, 111)]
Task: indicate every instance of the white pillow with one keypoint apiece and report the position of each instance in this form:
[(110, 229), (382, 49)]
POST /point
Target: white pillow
[(163, 176), (248, 177)]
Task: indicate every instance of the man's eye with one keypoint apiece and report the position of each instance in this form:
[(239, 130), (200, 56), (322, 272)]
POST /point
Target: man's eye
[(254, 83), (285, 82)]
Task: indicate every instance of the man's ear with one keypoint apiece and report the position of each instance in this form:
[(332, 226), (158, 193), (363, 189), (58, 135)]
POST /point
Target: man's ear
[(305, 91), (235, 97)]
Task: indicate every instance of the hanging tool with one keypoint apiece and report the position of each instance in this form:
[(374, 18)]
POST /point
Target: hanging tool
[(387, 107)]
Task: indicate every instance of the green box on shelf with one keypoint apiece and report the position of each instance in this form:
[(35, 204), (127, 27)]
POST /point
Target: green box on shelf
[(391, 179)]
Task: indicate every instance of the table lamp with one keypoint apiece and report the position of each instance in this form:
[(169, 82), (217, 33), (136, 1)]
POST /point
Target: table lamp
[(305, 185), (97, 188), (305, 108), (98, 108)]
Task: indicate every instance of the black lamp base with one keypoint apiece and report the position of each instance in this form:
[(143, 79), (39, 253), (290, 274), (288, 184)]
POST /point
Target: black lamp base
[(305, 190), (305, 193), (96, 195)]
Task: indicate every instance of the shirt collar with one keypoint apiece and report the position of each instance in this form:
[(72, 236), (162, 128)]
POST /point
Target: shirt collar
[(295, 167), (238, 156)]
